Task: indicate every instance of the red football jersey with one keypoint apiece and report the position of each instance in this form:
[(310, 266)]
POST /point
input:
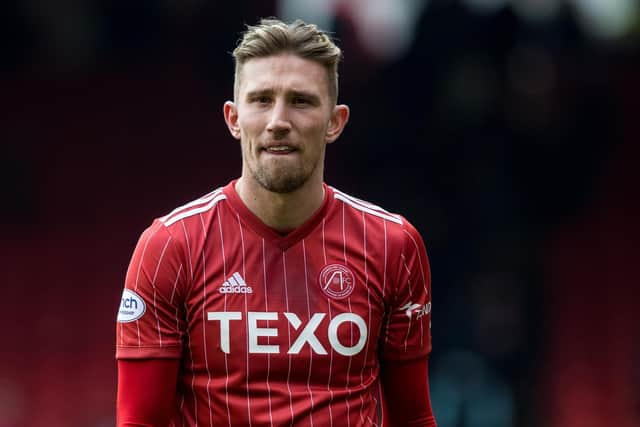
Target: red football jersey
[(277, 329)]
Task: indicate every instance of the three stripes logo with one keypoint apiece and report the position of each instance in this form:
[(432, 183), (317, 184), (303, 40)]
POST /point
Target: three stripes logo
[(235, 285)]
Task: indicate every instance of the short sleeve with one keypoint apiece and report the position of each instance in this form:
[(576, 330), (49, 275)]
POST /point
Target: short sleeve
[(150, 317), (407, 330)]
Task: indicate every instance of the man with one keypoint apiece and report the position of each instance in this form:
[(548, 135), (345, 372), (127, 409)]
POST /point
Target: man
[(277, 300)]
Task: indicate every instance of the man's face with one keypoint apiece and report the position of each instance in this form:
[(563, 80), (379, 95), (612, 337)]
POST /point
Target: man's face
[(284, 118)]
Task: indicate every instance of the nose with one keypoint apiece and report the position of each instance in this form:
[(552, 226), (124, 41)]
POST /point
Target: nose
[(279, 124)]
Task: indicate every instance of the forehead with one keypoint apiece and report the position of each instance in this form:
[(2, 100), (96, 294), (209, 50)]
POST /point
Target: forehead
[(284, 72)]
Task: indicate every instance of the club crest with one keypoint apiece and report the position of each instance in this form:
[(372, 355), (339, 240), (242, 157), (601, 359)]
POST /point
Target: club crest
[(336, 281)]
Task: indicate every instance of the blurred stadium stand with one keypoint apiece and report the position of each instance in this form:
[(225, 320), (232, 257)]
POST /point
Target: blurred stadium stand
[(505, 130)]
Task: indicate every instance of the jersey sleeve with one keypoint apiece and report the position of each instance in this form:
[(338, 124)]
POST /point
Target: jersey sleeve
[(146, 392), (407, 330), (408, 402), (150, 318)]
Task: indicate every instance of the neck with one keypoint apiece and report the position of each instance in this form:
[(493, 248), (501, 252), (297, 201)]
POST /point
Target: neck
[(281, 211)]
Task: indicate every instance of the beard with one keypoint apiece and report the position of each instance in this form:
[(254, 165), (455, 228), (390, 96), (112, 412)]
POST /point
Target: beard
[(281, 180)]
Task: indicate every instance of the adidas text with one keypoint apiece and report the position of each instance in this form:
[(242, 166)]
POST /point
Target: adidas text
[(235, 285), (235, 290)]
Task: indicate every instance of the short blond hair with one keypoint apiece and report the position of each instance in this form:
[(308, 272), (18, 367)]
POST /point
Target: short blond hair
[(272, 36)]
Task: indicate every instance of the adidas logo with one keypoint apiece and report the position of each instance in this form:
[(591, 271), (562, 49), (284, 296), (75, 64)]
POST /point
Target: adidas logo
[(235, 285)]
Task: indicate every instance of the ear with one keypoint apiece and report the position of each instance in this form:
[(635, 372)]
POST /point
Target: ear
[(339, 119), (231, 118)]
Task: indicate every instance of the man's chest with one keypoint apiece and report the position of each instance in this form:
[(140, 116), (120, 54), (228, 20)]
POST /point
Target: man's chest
[(318, 300)]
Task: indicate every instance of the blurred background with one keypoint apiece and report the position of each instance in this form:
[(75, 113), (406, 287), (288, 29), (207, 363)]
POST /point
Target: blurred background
[(506, 130)]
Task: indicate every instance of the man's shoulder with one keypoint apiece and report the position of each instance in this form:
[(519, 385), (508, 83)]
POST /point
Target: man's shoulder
[(367, 209), (396, 226), (187, 212)]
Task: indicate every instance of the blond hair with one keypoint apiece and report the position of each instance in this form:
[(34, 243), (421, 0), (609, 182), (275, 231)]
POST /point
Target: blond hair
[(272, 36)]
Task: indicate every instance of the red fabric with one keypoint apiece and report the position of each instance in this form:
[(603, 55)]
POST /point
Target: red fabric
[(271, 328), (146, 392), (408, 400)]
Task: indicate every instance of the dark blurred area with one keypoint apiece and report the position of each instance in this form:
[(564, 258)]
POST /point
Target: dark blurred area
[(506, 131)]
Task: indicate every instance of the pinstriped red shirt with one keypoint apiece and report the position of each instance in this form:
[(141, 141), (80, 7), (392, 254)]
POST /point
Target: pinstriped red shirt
[(271, 329)]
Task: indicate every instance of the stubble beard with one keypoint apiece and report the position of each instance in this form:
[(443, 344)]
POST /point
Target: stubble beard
[(281, 180)]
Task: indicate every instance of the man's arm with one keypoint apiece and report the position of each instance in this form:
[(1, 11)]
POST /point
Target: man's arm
[(406, 388), (146, 392), (149, 331), (406, 339)]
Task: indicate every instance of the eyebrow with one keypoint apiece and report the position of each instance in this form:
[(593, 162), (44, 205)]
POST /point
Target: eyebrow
[(305, 94), (309, 95), (258, 92)]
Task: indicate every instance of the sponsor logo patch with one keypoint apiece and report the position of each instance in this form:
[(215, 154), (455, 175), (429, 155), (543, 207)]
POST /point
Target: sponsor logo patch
[(417, 309), (132, 307), (336, 281)]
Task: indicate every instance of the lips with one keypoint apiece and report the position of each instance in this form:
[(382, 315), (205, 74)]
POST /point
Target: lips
[(279, 149)]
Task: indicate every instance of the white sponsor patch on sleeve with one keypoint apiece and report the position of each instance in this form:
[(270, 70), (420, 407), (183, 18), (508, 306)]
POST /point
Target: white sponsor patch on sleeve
[(132, 307)]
